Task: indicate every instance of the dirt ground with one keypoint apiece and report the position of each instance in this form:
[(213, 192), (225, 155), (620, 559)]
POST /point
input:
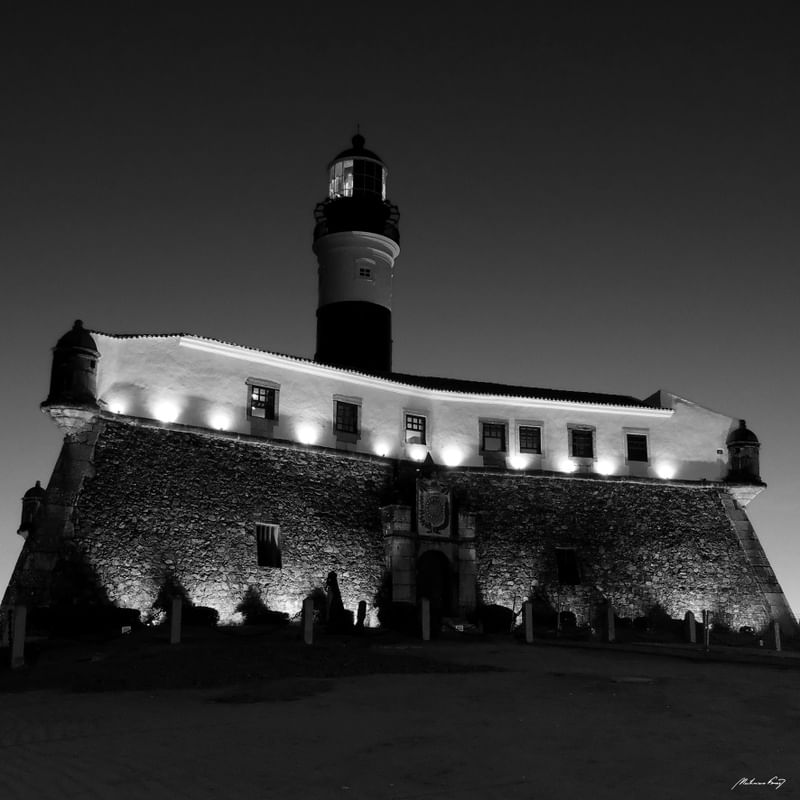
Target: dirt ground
[(266, 717)]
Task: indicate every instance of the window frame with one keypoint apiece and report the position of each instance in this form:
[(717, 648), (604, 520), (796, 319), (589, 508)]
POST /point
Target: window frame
[(406, 430), (500, 423), (530, 424), (590, 429), (269, 386), (268, 547), (364, 269), (342, 435), (645, 434)]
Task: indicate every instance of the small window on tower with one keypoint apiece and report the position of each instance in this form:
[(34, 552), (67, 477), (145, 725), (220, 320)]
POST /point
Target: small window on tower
[(364, 269), (415, 429), (268, 545)]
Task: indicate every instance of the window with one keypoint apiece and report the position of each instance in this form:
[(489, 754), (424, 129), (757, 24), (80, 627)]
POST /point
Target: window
[(415, 429), (581, 442), (364, 269), (262, 402), (530, 439), (493, 437), (268, 544), (369, 176), (637, 447), (262, 399), (341, 179), (567, 565), (346, 422), (357, 176)]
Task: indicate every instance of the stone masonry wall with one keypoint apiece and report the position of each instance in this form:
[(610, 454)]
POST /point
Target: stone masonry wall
[(162, 501), (637, 544), (165, 501)]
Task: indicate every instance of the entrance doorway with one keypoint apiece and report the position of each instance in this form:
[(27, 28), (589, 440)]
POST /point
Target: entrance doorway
[(435, 581)]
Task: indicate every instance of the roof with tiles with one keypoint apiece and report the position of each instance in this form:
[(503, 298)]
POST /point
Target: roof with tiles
[(456, 385)]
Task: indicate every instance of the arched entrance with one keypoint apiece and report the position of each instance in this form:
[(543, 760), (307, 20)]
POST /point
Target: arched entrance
[(435, 581)]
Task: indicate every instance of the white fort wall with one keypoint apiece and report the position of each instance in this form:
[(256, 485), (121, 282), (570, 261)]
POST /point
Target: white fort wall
[(201, 382)]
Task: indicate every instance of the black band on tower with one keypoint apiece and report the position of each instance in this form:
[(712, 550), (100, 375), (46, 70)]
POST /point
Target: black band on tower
[(355, 335)]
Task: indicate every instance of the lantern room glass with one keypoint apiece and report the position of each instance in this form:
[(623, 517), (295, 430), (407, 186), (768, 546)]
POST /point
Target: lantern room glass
[(357, 177)]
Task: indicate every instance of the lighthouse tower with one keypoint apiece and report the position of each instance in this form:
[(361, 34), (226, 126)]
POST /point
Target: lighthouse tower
[(356, 241)]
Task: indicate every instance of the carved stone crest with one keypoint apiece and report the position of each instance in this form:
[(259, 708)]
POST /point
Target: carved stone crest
[(433, 508)]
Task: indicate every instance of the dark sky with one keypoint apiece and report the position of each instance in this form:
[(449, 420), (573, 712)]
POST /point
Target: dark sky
[(597, 196)]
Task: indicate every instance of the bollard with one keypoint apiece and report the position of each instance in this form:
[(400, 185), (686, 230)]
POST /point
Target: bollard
[(776, 634), (426, 619), (706, 628), (690, 627), (18, 638), (610, 631), (175, 621), (362, 614), (5, 627), (527, 616), (308, 620)]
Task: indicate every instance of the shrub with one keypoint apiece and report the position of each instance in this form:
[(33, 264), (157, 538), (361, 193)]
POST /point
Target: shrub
[(80, 619), (496, 619), (658, 619), (400, 617), (340, 621), (569, 622), (170, 588), (201, 616), (544, 615), (255, 612)]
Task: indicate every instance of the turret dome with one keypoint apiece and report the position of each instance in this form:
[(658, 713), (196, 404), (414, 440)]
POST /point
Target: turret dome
[(35, 491), (741, 435), (73, 379), (77, 338), (358, 151)]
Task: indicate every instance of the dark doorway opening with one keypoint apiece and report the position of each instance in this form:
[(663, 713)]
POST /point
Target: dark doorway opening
[(435, 581), (567, 562)]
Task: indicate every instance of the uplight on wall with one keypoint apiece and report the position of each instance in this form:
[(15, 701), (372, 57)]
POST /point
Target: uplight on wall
[(452, 456), (381, 449), (417, 452), (604, 466), (307, 433), (567, 465), (518, 461), (665, 471), (116, 407), (166, 411), (220, 421)]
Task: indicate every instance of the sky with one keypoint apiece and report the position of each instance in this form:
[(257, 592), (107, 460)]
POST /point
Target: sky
[(593, 196)]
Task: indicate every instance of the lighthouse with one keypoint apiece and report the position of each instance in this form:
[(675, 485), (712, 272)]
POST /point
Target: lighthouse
[(356, 241)]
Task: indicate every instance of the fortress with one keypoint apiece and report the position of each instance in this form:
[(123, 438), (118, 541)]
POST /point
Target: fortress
[(192, 461)]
